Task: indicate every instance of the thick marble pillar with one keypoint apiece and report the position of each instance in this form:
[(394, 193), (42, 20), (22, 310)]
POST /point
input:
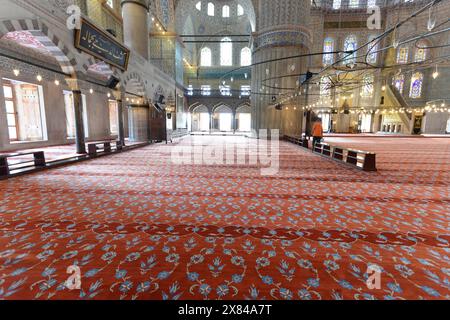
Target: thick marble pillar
[(138, 123), (281, 32), (79, 125), (136, 26)]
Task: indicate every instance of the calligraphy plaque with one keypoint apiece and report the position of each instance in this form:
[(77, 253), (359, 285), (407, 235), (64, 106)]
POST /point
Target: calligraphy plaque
[(98, 43)]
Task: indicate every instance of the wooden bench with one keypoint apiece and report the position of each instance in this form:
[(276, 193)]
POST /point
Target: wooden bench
[(6, 167), (363, 160), (103, 146)]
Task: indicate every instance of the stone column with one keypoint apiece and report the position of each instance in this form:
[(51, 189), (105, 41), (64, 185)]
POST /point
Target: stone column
[(79, 125), (120, 113), (211, 122), (136, 26), (120, 96), (281, 32), (234, 122)]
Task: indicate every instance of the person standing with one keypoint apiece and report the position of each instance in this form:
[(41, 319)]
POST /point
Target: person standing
[(317, 131)]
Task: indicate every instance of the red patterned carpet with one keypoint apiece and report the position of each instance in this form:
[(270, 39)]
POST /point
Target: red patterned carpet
[(142, 227)]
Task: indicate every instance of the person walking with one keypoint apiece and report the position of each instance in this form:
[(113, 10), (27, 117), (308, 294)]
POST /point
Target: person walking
[(317, 132)]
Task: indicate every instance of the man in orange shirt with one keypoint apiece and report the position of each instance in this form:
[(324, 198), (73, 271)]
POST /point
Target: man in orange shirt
[(317, 131)]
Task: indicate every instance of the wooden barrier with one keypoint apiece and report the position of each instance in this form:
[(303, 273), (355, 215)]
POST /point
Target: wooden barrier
[(6, 168), (363, 160), (103, 146), (301, 141)]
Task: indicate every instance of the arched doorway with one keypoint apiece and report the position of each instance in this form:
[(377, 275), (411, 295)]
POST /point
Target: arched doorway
[(200, 119), (244, 119), (223, 119)]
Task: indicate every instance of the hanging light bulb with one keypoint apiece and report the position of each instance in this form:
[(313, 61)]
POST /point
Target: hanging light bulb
[(39, 78), (91, 91), (109, 95), (435, 73), (16, 72), (383, 88), (56, 82)]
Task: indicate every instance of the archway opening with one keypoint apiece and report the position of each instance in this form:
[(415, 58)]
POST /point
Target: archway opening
[(244, 119), (201, 120), (223, 119)]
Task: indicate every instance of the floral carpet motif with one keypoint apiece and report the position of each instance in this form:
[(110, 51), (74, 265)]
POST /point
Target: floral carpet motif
[(141, 227)]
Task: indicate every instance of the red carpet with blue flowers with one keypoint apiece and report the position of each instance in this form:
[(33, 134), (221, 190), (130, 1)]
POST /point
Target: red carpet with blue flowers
[(141, 227)]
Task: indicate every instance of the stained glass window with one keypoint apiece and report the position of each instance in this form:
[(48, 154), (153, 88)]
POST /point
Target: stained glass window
[(416, 85), (225, 11), (211, 9), (402, 55), (240, 10), (367, 90), (226, 52), (246, 56), (398, 81), (328, 46), (421, 52), (336, 4), (325, 84), (372, 54), (206, 57), (350, 45), (353, 3), (199, 6)]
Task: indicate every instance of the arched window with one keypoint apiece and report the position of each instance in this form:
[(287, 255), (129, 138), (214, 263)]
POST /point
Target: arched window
[(246, 57), (402, 55), (328, 47), (225, 11), (350, 45), (353, 3), (226, 52), (206, 57), (325, 84), (421, 51), (372, 55), (211, 9), (199, 6), (371, 3), (240, 10), (398, 82), (336, 4), (416, 85), (367, 89)]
